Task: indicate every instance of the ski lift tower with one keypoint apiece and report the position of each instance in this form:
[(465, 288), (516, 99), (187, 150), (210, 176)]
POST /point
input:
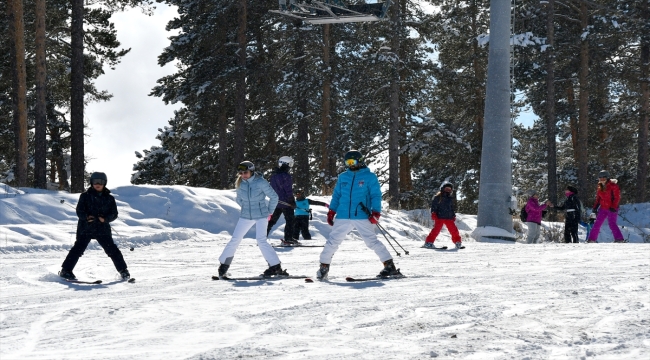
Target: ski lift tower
[(332, 11), (495, 189)]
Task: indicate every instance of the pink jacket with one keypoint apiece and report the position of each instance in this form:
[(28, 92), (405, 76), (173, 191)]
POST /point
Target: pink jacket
[(534, 211)]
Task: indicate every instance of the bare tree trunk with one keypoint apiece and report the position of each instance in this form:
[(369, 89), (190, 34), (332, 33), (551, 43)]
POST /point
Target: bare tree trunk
[(573, 121), (301, 175), (40, 128), (240, 97), (551, 155), (394, 110), (224, 168), (77, 163), (405, 180), (57, 162), (19, 91), (642, 157), (325, 110), (582, 159)]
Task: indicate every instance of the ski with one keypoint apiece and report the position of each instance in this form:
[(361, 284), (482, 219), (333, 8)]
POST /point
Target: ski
[(290, 246), (131, 280), (377, 278), (75, 281), (263, 278), (435, 248)]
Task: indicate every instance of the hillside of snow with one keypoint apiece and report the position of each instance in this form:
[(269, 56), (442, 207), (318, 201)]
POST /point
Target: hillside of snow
[(488, 301)]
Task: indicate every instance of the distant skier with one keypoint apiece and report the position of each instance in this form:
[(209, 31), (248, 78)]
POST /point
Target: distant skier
[(282, 182), (608, 196), (355, 187), (572, 217), (252, 191), (303, 214), (96, 209), (443, 212), (534, 216)]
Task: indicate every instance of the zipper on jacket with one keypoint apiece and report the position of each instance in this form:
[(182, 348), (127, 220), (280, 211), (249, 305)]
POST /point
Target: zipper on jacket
[(351, 188)]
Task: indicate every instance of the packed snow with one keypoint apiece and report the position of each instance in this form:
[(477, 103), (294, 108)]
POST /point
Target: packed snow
[(488, 301)]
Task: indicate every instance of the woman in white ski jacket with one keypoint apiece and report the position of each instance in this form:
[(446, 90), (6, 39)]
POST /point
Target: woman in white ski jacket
[(252, 191)]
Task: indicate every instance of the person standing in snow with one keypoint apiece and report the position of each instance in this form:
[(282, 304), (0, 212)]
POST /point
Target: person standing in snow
[(282, 182), (443, 212), (96, 209), (303, 214), (252, 191), (572, 217), (534, 217), (608, 197), (356, 188)]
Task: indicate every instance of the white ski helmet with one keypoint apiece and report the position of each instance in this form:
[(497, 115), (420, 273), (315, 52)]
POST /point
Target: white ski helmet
[(285, 160)]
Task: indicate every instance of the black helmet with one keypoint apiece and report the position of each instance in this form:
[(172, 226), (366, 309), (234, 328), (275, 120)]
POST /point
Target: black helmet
[(354, 155), (603, 174), (246, 165), (98, 176)]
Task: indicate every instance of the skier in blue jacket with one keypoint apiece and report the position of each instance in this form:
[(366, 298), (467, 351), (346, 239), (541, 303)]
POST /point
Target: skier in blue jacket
[(303, 214), (356, 187), (252, 191)]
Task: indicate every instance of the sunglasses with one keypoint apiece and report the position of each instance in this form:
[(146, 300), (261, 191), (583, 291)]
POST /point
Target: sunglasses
[(351, 162), (98, 182), (241, 168)]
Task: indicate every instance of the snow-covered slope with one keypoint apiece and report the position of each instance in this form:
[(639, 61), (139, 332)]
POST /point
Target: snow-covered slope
[(489, 301)]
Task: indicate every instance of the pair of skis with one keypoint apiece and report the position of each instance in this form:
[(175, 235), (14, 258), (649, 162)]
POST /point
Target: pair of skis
[(306, 278), (92, 282), (442, 248)]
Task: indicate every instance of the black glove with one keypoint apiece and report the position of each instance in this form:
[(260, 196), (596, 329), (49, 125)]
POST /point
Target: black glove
[(594, 210), (612, 209)]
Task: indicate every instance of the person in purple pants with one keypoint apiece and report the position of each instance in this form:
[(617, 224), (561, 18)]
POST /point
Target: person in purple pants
[(608, 196)]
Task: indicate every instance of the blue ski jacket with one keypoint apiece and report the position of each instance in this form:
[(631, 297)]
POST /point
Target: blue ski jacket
[(251, 196), (352, 188)]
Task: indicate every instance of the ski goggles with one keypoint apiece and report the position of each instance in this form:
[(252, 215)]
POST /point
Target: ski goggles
[(98, 182), (351, 162), (242, 168)]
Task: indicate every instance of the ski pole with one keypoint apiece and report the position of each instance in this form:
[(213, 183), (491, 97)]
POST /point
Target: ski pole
[(384, 231), (122, 237), (396, 242)]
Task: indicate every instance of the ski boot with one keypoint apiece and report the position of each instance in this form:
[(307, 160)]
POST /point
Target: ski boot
[(223, 268), (290, 242), (429, 245), (592, 241), (321, 274), (389, 269), (125, 274), (67, 274), (619, 241), (275, 270), (458, 245)]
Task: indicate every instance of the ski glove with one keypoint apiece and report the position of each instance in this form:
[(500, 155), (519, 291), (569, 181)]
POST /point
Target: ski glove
[(269, 217), (434, 216), (595, 210), (330, 217), (612, 209), (374, 217)]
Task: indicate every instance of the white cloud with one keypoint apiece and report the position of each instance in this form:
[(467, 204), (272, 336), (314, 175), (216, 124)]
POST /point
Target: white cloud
[(130, 120)]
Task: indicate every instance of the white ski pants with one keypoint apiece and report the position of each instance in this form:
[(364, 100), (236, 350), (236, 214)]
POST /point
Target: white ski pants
[(533, 233), (341, 229), (260, 234)]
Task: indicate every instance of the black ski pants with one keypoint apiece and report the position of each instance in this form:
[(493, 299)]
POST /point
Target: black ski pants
[(106, 241), (571, 231), (301, 226), (288, 218)]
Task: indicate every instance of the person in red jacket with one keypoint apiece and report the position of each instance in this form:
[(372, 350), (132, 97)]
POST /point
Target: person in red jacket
[(608, 196)]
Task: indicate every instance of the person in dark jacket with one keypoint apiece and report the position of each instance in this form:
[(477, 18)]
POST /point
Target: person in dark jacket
[(443, 212), (96, 209), (282, 182), (572, 217), (303, 214)]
